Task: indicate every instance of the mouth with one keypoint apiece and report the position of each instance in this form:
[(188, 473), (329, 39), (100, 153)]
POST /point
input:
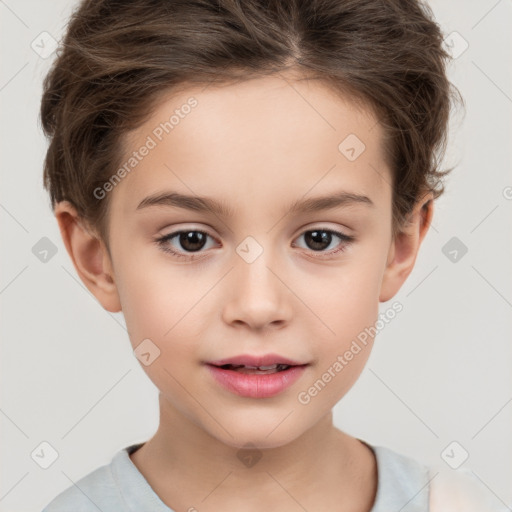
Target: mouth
[(256, 376), (256, 370), (262, 362)]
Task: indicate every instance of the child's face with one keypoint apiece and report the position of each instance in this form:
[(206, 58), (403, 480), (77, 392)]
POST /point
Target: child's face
[(259, 283)]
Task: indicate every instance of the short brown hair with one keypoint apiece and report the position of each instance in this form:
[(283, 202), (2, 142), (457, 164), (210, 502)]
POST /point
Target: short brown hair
[(118, 57)]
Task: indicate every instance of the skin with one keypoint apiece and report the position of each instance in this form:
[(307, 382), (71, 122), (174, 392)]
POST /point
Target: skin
[(258, 146)]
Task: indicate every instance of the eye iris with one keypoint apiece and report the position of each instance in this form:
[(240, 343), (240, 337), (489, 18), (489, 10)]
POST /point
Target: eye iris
[(320, 239), (188, 238)]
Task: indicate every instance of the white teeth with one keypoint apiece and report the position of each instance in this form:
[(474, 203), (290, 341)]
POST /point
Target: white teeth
[(271, 367)]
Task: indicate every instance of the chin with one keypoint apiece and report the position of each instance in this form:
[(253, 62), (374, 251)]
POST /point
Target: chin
[(258, 433), (257, 441)]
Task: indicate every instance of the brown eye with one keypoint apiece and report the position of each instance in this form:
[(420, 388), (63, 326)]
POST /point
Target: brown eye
[(189, 241), (318, 240), (192, 240)]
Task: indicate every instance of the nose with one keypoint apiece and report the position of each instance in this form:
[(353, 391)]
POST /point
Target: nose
[(257, 294)]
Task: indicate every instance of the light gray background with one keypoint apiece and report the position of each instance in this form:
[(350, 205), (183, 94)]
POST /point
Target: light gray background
[(441, 371)]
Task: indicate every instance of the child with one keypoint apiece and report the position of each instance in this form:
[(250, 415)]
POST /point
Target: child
[(299, 142)]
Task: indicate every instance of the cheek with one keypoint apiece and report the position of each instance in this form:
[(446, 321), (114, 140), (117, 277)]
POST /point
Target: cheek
[(156, 302), (162, 311), (348, 308), (347, 302)]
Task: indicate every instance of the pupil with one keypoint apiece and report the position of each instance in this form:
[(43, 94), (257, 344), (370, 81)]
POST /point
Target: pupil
[(320, 239), (190, 238)]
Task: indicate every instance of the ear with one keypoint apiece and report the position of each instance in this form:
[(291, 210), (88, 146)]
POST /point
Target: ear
[(89, 255), (404, 248)]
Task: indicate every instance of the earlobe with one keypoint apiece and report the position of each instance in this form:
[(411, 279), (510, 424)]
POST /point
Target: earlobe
[(404, 248), (89, 256)]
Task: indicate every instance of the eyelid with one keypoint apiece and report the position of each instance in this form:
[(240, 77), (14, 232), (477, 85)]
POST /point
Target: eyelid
[(345, 240), (162, 242)]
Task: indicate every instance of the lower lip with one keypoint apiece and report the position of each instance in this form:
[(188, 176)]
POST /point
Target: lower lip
[(256, 386)]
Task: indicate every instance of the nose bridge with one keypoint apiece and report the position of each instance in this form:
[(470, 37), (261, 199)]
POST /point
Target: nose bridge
[(256, 257), (257, 295)]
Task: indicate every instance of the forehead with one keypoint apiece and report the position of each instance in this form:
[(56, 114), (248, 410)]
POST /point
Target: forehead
[(259, 136)]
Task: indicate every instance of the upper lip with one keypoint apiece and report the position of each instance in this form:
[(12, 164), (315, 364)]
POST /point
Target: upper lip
[(262, 360)]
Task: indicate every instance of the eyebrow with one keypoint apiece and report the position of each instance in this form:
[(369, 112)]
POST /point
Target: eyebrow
[(210, 205)]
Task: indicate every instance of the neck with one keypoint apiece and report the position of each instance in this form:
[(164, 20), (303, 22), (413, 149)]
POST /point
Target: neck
[(321, 460)]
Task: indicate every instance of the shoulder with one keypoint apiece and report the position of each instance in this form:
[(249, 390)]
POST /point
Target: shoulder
[(461, 491), (395, 466), (93, 492), (408, 485), (402, 482)]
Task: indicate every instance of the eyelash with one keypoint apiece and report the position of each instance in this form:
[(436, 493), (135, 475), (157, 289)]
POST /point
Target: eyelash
[(162, 242)]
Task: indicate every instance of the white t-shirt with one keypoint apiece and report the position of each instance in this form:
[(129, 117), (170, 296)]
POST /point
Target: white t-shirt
[(404, 485)]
